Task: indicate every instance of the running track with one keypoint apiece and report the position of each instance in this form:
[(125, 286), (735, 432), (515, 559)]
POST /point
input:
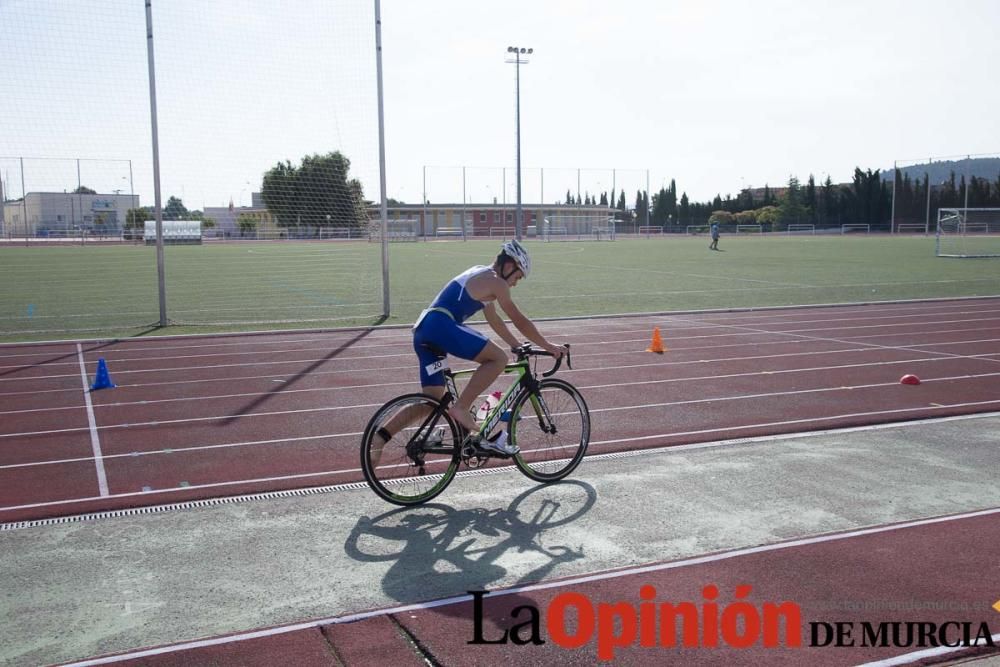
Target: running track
[(202, 417)]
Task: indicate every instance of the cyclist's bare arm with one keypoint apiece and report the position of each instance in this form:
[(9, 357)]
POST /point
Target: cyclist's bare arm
[(488, 287), (499, 326), (523, 324)]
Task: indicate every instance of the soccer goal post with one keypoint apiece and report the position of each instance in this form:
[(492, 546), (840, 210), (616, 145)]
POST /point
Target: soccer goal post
[(582, 227), (968, 232)]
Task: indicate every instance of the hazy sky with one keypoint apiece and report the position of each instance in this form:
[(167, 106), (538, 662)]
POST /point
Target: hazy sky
[(715, 94)]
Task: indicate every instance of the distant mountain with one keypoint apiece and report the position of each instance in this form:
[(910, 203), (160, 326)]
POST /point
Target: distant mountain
[(982, 167)]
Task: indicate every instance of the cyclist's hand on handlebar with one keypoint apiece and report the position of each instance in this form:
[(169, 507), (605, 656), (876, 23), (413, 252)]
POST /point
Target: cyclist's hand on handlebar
[(556, 350)]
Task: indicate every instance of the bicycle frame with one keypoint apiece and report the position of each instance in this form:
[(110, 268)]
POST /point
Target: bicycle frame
[(524, 379)]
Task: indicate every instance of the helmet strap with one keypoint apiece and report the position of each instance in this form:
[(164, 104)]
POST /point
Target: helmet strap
[(508, 260)]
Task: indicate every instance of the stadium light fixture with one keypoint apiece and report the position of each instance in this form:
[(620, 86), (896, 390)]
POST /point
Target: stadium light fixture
[(519, 54)]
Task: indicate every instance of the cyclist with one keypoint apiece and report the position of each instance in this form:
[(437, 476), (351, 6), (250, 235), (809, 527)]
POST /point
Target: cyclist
[(440, 330)]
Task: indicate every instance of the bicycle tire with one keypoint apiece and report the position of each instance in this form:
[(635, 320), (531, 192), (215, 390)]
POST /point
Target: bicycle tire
[(391, 473), (548, 457)]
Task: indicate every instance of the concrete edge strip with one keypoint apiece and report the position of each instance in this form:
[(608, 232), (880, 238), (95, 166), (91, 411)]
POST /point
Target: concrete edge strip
[(600, 576), (353, 486), (379, 327)]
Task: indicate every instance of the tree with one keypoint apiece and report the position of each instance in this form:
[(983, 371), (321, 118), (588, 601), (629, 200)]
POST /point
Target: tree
[(810, 199), (684, 213), (317, 193), (247, 223), (660, 208), (830, 203), (791, 209), (641, 205), (720, 217), (767, 215), (621, 201), (175, 210), (84, 190)]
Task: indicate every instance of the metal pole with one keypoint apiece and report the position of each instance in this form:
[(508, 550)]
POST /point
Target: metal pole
[(424, 204), (158, 212), (927, 222), (968, 179), (463, 203), (892, 214), (518, 51), (24, 203), (132, 202), (384, 209), (517, 77), (79, 196)]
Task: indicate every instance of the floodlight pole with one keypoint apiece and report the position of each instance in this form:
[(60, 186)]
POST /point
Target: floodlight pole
[(384, 208), (892, 214), (518, 52), (158, 211)]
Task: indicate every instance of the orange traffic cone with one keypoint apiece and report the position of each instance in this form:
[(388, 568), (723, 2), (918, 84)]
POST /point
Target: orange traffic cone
[(657, 344)]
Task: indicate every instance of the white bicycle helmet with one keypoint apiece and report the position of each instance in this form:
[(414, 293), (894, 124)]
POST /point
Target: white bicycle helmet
[(516, 252)]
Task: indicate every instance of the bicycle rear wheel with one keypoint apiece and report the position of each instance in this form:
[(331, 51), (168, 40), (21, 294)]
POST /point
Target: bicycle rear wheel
[(552, 428), (397, 471)]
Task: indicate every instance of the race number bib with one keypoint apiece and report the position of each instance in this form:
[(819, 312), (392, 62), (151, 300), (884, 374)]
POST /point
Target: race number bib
[(436, 367)]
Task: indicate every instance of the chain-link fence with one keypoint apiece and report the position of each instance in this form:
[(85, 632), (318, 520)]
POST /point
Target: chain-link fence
[(266, 128)]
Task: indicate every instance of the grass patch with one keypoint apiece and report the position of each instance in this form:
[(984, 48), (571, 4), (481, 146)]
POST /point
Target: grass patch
[(111, 291)]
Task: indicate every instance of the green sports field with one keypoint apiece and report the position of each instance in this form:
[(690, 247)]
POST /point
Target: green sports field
[(98, 291)]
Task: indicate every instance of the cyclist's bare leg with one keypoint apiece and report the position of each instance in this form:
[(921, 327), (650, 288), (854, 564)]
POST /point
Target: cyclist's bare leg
[(401, 420), (492, 361)]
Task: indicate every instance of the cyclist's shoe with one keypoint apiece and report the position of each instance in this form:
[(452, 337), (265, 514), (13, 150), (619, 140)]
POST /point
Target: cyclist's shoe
[(436, 437), (499, 445)]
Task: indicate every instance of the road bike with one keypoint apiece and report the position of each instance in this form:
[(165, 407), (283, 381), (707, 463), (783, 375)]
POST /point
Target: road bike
[(546, 417)]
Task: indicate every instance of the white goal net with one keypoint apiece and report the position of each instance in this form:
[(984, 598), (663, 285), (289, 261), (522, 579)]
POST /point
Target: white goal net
[(968, 232)]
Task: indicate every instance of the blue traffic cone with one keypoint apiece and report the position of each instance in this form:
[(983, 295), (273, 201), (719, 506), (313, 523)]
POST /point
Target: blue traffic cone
[(103, 379)]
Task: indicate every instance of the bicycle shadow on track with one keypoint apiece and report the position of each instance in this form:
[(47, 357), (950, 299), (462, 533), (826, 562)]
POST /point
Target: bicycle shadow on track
[(438, 551)]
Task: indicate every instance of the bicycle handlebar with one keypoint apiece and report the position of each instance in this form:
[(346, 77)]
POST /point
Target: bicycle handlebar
[(526, 350)]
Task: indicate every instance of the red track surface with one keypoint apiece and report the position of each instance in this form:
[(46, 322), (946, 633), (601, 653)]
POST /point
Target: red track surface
[(203, 417), (834, 579)]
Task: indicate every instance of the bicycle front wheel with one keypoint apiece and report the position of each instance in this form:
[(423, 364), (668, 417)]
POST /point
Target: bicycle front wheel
[(396, 471), (552, 428)]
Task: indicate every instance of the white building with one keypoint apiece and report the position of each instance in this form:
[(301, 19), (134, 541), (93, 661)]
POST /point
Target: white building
[(62, 213)]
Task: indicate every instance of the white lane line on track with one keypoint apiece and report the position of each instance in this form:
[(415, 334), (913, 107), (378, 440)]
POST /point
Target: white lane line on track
[(562, 583), (697, 378), (403, 342), (855, 340), (95, 440), (186, 449), (231, 417), (777, 312), (148, 345), (191, 420), (827, 339), (241, 378), (596, 443)]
